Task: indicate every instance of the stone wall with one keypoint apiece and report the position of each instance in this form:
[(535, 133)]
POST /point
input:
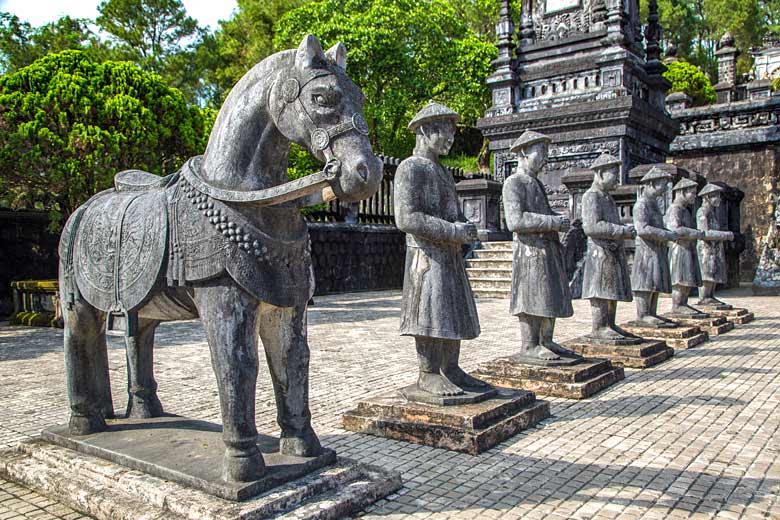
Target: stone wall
[(357, 257), (28, 251), (755, 171)]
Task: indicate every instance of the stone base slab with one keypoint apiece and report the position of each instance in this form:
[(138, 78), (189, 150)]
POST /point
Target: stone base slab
[(186, 451), (578, 381), (469, 428), (110, 491), (713, 325), (644, 355), (737, 316), (680, 338)]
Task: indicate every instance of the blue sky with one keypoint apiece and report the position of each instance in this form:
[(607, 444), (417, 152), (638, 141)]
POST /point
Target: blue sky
[(39, 12)]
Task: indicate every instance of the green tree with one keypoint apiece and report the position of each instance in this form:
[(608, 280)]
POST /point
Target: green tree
[(687, 78), (21, 44), (68, 124), (401, 53)]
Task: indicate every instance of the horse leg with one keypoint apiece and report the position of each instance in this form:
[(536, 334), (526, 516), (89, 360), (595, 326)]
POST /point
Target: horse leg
[(229, 316), (142, 401), (283, 331), (86, 366)]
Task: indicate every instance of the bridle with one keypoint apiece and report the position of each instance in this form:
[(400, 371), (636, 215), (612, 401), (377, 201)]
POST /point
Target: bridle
[(321, 140)]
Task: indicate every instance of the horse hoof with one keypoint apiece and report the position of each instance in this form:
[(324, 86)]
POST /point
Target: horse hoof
[(144, 408), (86, 424), (243, 466), (303, 445)]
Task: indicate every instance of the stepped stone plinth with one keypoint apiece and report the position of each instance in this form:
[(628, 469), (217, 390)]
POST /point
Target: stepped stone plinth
[(737, 316), (629, 354), (679, 338), (468, 428), (712, 325), (169, 467), (577, 381)]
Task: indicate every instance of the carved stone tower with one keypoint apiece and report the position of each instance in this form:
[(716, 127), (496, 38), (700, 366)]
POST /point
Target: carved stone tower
[(583, 74)]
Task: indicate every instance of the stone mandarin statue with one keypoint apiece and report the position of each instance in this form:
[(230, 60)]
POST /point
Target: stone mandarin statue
[(540, 289), (438, 307), (605, 279), (683, 260), (711, 248), (650, 274)]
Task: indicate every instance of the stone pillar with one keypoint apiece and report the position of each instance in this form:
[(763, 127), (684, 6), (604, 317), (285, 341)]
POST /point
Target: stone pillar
[(653, 65), (767, 279), (678, 101), (503, 82), (759, 89), (727, 69), (480, 201)]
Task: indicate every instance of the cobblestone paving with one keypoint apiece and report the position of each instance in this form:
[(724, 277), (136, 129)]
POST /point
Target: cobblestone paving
[(695, 437)]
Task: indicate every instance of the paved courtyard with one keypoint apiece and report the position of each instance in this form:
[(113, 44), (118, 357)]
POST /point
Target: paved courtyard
[(695, 437)]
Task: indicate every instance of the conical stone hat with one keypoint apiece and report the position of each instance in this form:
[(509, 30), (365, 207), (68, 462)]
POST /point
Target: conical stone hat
[(528, 138), (684, 183), (655, 173), (709, 189), (432, 112), (604, 161)]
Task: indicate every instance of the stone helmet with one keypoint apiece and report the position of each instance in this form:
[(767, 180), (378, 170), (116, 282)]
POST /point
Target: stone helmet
[(710, 189), (684, 183), (654, 174), (605, 161), (433, 111), (528, 138)]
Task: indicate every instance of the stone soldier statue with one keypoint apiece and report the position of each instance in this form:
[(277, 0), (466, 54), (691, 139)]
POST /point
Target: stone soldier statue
[(683, 260), (438, 306), (605, 279), (650, 274), (540, 289), (712, 253)]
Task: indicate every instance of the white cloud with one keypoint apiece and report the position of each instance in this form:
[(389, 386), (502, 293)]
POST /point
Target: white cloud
[(39, 12)]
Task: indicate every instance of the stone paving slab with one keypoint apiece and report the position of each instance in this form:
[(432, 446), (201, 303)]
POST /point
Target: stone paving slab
[(694, 437)]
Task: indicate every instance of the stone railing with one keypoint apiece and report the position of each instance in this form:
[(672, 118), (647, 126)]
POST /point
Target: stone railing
[(36, 302)]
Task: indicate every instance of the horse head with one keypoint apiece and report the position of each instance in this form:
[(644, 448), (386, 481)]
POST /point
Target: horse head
[(316, 105)]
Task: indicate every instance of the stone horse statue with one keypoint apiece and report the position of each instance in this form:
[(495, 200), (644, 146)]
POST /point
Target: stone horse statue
[(221, 239)]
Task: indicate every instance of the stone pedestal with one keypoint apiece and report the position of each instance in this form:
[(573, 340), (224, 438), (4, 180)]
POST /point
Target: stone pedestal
[(169, 467), (679, 338), (480, 201), (577, 381), (712, 325), (638, 355), (735, 315), (467, 428)]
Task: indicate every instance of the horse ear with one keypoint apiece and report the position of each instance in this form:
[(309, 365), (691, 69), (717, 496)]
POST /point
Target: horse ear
[(338, 55), (309, 54)]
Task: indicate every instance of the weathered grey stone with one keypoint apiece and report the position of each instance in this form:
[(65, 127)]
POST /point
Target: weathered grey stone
[(605, 276), (679, 338), (712, 325), (222, 239), (650, 273), (438, 307), (469, 428), (712, 254), (645, 354), (735, 315), (540, 288), (578, 381), (109, 491)]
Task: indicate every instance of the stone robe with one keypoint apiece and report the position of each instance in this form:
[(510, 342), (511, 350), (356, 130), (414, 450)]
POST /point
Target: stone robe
[(683, 260), (605, 272), (437, 299), (651, 258), (540, 286), (712, 254)]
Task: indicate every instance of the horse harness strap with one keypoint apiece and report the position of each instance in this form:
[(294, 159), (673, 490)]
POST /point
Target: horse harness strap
[(321, 138)]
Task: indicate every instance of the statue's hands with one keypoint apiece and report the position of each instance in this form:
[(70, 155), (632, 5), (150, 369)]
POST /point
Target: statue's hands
[(729, 235), (466, 231), (630, 231), (564, 224), (700, 234), (672, 236)]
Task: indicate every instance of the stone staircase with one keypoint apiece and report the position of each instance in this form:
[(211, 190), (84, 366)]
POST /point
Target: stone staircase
[(490, 271)]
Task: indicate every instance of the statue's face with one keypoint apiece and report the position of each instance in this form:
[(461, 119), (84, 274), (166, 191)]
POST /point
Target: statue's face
[(438, 136), (609, 177), (714, 199), (656, 187), (689, 196), (536, 156)]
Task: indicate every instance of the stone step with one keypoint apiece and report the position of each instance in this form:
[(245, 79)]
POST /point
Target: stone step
[(478, 272), (497, 245), (493, 254), (503, 294), (489, 264), (490, 284)]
